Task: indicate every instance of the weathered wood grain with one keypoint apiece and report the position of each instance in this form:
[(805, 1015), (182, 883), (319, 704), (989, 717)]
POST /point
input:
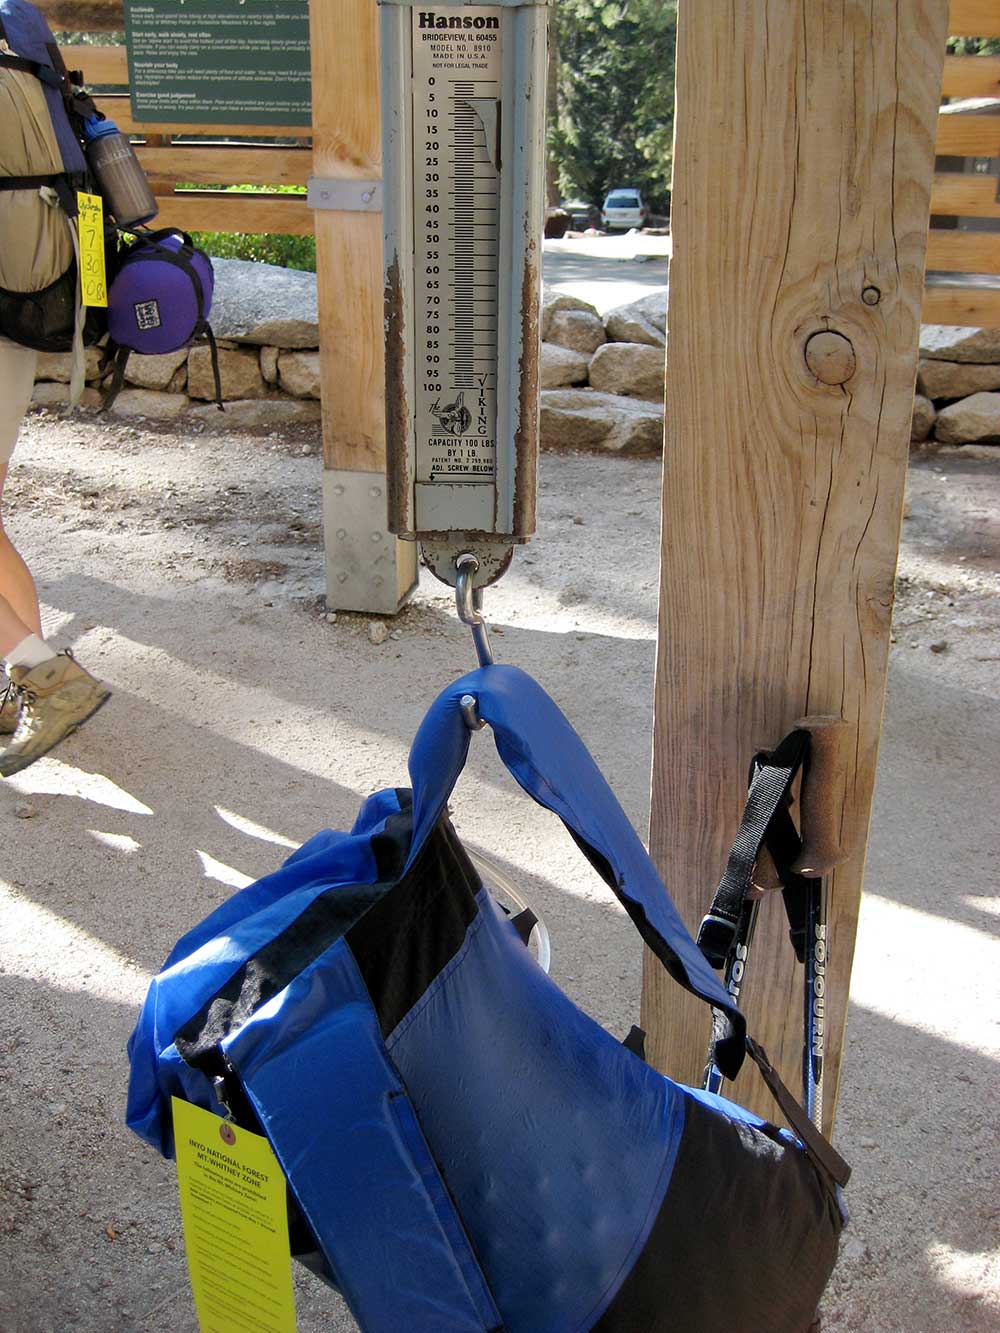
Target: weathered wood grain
[(225, 164), (971, 76), (968, 136), (974, 18), (963, 251), (347, 146), (804, 155), (274, 214), (976, 305), (965, 195)]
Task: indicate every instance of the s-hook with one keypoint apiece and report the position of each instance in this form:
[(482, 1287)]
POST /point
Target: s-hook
[(469, 602)]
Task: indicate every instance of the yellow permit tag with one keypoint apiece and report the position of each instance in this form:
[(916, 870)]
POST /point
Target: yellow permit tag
[(90, 228), (235, 1225)]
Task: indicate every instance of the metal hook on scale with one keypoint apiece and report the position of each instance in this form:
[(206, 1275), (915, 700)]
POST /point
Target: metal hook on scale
[(469, 603)]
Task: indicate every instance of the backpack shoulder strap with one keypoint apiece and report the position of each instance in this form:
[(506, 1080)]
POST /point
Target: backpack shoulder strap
[(548, 759)]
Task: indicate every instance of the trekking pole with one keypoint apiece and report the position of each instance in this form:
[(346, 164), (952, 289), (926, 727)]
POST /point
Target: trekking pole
[(764, 877), (824, 778)]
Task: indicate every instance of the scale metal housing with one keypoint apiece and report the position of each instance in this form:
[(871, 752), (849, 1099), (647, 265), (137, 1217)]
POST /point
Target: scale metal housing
[(463, 126)]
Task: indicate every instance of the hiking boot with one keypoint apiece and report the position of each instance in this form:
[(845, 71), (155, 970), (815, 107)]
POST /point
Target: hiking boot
[(55, 698), (10, 707)]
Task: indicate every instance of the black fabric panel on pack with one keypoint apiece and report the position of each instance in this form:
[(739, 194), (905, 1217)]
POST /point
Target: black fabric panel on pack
[(415, 930), (743, 1213), (392, 847), (325, 920)]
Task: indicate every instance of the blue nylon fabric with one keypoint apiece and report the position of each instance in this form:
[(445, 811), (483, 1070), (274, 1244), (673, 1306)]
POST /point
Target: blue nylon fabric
[(497, 1061), (556, 1142), (355, 1156), (207, 956), (552, 764), (27, 34)]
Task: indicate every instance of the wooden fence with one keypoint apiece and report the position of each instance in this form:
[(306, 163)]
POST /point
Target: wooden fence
[(962, 285), (175, 154), (963, 266)]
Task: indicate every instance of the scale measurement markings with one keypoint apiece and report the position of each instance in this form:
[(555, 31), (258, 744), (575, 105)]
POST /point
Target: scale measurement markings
[(456, 85)]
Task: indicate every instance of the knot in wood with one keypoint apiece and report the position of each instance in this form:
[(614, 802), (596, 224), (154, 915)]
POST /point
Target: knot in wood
[(830, 357)]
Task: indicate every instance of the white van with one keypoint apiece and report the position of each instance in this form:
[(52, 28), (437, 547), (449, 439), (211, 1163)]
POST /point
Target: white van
[(623, 209)]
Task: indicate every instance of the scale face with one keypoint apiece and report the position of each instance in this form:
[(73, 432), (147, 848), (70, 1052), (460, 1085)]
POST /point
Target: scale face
[(463, 126), (456, 195)]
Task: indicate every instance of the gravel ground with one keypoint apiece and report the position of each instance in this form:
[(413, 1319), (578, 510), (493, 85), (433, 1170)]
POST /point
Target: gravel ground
[(186, 569)]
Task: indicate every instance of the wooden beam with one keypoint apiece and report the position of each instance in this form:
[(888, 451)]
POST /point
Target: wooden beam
[(83, 15), (968, 136), (963, 251), (118, 107), (227, 164), (971, 76), (803, 159), (975, 305), (965, 195), (347, 146), (270, 214), (103, 66), (974, 18)]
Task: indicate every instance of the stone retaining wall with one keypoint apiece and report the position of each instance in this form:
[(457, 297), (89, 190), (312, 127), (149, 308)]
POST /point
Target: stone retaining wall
[(958, 373), (601, 378)]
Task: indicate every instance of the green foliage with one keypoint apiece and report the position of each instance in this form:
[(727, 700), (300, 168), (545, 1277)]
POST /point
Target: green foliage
[(285, 251), (91, 38), (615, 85), (973, 46)]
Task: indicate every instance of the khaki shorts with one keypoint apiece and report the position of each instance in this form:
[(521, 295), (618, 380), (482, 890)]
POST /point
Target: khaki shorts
[(17, 377)]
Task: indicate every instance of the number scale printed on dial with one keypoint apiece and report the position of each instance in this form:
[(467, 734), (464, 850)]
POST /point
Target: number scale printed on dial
[(456, 96)]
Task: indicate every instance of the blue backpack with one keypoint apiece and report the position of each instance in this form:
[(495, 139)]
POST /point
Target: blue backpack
[(465, 1150)]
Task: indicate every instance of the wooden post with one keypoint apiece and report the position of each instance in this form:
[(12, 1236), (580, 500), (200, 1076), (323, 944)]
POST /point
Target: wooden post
[(804, 156), (367, 568)]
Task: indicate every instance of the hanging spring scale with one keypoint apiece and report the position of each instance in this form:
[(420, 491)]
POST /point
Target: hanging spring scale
[(463, 117)]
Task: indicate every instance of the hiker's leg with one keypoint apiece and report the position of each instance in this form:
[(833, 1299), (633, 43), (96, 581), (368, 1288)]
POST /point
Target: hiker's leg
[(18, 598)]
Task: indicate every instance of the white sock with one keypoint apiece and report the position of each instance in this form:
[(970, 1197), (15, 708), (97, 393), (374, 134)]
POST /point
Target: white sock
[(30, 652)]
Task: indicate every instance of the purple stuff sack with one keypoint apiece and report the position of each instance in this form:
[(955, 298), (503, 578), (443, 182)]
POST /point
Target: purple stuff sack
[(159, 302)]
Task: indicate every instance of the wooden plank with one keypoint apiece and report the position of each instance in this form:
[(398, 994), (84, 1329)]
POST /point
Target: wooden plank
[(102, 66), (83, 15), (347, 146), (119, 107), (275, 214), (963, 251), (974, 18), (224, 164), (971, 76), (817, 192), (978, 307), (968, 136), (972, 195)]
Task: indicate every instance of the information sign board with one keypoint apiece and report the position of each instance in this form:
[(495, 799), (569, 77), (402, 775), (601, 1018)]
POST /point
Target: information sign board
[(219, 62)]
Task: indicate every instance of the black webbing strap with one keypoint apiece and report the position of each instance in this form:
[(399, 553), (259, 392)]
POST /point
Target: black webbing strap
[(213, 351), (30, 182), (784, 844), (820, 1149), (113, 360), (773, 775), (44, 73)]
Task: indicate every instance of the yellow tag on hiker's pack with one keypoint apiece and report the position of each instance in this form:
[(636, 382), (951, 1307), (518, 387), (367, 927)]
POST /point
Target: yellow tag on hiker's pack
[(235, 1225), (90, 228)]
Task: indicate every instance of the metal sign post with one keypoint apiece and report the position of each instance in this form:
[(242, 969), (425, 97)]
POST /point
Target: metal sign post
[(463, 117)]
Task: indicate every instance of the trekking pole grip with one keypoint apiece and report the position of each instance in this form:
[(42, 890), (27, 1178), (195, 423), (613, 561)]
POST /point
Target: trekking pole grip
[(821, 804)]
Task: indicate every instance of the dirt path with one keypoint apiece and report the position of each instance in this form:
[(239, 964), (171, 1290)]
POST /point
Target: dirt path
[(187, 571)]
